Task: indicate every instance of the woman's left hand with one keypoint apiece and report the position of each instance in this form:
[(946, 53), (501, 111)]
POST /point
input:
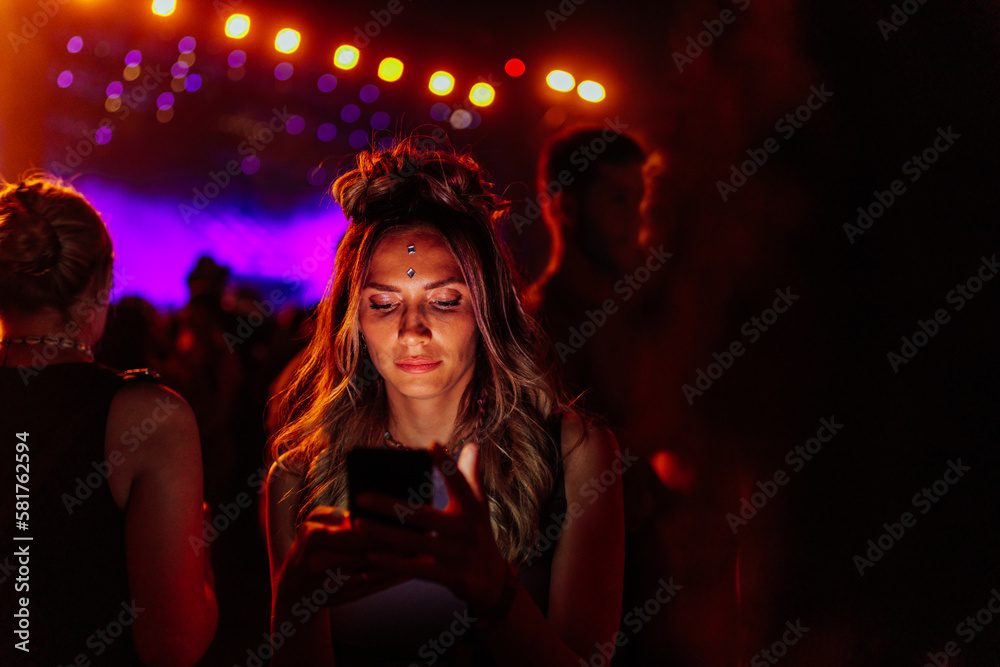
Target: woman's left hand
[(454, 547)]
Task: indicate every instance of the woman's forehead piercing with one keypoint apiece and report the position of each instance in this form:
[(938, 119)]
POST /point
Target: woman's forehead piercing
[(410, 250)]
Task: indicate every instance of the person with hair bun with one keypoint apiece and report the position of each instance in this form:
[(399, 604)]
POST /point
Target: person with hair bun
[(421, 342), (107, 467)]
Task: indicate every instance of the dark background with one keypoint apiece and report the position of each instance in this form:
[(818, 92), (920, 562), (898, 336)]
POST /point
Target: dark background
[(784, 228)]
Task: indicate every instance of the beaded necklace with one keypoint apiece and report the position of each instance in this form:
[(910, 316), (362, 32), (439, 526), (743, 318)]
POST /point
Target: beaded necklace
[(62, 343), (389, 441)]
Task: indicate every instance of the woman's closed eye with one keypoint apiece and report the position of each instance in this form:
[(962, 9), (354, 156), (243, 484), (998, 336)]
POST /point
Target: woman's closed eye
[(439, 301), (447, 302)]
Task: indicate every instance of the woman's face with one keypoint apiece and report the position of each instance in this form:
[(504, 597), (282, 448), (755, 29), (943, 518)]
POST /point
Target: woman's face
[(420, 330)]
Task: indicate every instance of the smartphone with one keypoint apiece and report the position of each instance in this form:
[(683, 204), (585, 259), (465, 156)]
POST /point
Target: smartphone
[(403, 474)]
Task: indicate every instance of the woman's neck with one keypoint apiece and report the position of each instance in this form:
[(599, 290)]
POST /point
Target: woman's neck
[(417, 423), (45, 323)]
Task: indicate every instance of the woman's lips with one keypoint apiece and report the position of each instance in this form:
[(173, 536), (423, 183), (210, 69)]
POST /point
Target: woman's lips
[(417, 365)]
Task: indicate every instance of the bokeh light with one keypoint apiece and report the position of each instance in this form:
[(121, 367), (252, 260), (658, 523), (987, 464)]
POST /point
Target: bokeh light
[(326, 132), (187, 44), (514, 67), (358, 139), (164, 115), (326, 83), (74, 45), (65, 79), (283, 72), (440, 111), (103, 135), (560, 80), (379, 120), (369, 93), (350, 113), (114, 89), (237, 26), (179, 69), (390, 69), (441, 83), (112, 104), (287, 40), (295, 124), (192, 83), (482, 94), (131, 73), (164, 7), (591, 91), (165, 101), (460, 119), (133, 58), (316, 176), (346, 57), (250, 164), (237, 58)]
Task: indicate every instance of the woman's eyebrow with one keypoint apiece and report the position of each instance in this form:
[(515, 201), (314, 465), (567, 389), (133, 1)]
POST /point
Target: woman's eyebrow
[(429, 286)]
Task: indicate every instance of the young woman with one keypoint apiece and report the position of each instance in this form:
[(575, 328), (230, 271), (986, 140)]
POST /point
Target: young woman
[(108, 470), (422, 343)]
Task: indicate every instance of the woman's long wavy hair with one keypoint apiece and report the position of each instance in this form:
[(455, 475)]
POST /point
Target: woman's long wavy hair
[(337, 400)]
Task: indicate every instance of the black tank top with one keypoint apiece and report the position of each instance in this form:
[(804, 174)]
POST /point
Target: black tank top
[(72, 571)]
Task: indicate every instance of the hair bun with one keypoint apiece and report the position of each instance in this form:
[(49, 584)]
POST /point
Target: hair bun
[(54, 246), (416, 172), (28, 244)]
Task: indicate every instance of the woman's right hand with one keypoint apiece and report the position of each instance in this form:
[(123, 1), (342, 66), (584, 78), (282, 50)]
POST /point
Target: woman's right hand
[(327, 566)]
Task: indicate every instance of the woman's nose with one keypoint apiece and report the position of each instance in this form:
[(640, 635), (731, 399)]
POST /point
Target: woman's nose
[(413, 326)]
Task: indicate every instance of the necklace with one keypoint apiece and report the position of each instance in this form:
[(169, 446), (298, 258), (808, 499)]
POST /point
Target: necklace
[(396, 444), (390, 441), (64, 343)]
